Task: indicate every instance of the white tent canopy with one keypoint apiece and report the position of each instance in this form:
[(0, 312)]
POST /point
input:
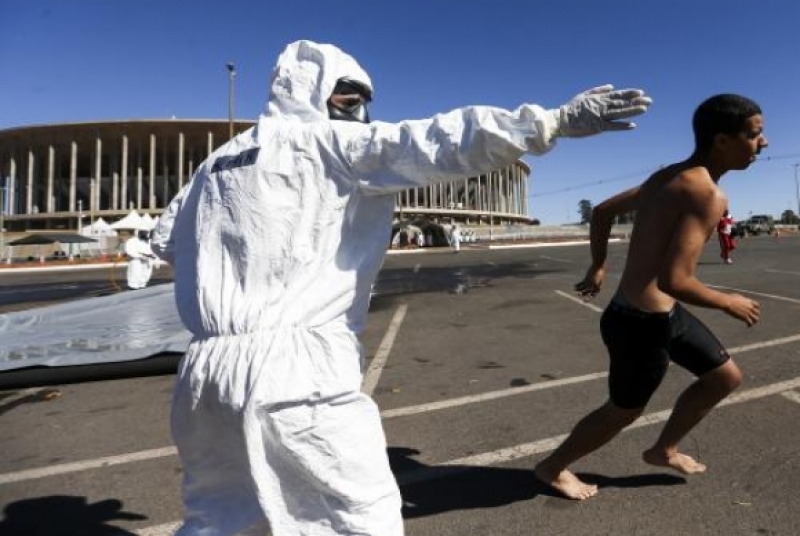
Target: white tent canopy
[(148, 222), (133, 221), (100, 227)]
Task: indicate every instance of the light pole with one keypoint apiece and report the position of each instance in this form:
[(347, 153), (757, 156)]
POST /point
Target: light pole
[(231, 75)]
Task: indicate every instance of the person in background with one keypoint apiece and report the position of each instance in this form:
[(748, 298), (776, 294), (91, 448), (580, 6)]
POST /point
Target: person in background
[(455, 238), (140, 259), (727, 242), (645, 326), (275, 243)]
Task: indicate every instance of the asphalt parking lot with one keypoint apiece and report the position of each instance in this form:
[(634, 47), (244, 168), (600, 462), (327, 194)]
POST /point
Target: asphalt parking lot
[(480, 362)]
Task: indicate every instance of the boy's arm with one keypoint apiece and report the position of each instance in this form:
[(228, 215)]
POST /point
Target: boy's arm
[(678, 277), (603, 216)]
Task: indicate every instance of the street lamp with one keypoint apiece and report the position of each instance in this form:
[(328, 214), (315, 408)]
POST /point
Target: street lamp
[(231, 75)]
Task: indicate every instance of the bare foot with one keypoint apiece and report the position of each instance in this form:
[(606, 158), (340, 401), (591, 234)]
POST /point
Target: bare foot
[(567, 484), (680, 462)]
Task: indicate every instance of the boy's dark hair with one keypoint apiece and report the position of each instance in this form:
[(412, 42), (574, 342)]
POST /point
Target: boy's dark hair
[(721, 114)]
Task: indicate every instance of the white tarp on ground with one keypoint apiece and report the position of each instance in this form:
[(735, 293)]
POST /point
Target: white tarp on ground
[(119, 327)]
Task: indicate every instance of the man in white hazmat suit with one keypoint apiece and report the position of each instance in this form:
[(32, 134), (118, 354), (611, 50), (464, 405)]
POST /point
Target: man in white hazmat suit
[(275, 243), (140, 260)]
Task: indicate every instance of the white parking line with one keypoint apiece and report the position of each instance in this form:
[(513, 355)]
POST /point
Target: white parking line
[(544, 445), (745, 291), (375, 369), (781, 272), (514, 391), (492, 395), (52, 470), (167, 529), (461, 465), (556, 259), (579, 301), (794, 396)]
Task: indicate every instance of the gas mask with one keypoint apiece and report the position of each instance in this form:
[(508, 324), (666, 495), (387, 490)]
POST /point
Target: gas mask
[(349, 100)]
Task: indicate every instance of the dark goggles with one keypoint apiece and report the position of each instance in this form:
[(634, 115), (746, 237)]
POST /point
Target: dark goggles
[(357, 111)]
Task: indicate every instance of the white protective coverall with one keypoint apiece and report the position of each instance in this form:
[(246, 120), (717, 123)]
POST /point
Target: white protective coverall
[(275, 243), (140, 262), (455, 238)]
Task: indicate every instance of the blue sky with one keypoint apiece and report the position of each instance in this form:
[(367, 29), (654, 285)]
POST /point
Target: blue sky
[(86, 60)]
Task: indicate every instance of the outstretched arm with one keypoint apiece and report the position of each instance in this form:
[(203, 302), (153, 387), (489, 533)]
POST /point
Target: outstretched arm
[(477, 139), (603, 216)]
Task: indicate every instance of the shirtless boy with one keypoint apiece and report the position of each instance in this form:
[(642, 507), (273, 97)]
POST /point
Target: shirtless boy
[(645, 326)]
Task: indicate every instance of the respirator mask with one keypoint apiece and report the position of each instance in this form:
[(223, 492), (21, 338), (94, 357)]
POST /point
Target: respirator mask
[(349, 100)]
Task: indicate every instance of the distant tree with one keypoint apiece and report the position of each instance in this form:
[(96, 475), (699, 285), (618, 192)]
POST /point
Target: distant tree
[(585, 210), (789, 217)]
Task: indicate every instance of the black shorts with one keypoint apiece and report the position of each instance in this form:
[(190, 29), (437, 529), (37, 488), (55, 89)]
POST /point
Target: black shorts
[(641, 344)]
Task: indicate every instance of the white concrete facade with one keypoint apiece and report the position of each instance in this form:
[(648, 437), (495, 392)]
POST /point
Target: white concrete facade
[(49, 174)]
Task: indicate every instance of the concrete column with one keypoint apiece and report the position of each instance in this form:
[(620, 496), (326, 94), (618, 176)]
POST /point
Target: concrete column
[(115, 190), (123, 193), (98, 173), (73, 175), (523, 192), (181, 142), (502, 197), (151, 192), (51, 167), (139, 184), (478, 192), (210, 143), (502, 187), (165, 187), (29, 194), (512, 191), (12, 187)]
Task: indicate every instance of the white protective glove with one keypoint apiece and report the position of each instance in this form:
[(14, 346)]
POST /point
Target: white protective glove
[(598, 109)]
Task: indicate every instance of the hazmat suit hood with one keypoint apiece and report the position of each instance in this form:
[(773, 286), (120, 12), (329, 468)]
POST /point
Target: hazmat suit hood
[(304, 78)]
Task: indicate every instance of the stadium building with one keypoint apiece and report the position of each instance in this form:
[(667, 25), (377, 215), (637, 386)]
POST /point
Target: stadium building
[(55, 176)]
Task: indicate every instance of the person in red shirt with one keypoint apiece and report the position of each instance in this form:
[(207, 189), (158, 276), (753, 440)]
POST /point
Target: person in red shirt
[(727, 242)]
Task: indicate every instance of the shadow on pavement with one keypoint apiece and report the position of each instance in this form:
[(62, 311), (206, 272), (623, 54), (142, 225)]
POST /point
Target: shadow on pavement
[(65, 515), (436, 489)]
